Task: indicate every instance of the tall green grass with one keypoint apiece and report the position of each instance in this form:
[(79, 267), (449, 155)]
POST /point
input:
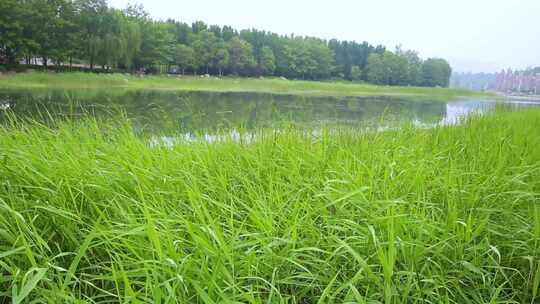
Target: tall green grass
[(226, 84), (92, 213)]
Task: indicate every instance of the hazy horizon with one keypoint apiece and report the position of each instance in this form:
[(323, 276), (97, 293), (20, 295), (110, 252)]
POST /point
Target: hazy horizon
[(483, 36)]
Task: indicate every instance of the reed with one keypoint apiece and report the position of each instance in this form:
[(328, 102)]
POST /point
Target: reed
[(91, 212)]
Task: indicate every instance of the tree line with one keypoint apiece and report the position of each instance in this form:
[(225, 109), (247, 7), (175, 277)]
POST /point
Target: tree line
[(63, 32)]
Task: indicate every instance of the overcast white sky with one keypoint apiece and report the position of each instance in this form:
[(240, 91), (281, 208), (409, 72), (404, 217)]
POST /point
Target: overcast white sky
[(474, 35)]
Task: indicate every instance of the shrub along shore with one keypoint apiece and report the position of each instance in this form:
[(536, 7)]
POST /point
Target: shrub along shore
[(91, 212), (36, 80)]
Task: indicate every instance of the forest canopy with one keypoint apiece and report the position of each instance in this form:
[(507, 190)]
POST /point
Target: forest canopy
[(89, 33)]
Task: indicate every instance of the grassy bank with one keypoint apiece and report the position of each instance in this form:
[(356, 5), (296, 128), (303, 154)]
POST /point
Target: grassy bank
[(190, 83), (92, 213)]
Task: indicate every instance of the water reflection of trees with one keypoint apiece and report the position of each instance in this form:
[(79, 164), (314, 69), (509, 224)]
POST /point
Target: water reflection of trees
[(204, 111)]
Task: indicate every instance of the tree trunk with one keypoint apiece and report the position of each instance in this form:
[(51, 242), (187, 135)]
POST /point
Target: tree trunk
[(70, 63), (44, 62), (10, 56)]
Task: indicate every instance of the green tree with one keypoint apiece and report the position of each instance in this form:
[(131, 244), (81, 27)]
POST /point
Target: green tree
[(436, 72), (267, 63), (69, 34), (157, 46), (89, 30), (414, 66), (113, 44), (47, 28), (323, 58), (227, 33), (184, 57), (136, 12), (91, 14), (376, 72), (205, 47), (356, 73), (131, 36), (199, 26), (348, 54), (222, 60), (387, 69), (241, 60), (181, 31), (306, 58), (12, 27)]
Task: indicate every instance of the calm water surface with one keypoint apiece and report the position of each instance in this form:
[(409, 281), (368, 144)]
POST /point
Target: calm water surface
[(204, 112)]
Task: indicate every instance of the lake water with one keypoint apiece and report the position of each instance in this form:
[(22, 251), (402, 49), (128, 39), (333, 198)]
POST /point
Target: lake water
[(205, 112)]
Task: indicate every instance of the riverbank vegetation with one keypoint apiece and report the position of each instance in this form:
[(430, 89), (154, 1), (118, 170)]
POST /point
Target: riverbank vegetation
[(91, 35), (92, 212), (38, 80)]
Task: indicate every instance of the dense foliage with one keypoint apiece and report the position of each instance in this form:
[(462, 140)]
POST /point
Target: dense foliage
[(92, 213), (90, 33)]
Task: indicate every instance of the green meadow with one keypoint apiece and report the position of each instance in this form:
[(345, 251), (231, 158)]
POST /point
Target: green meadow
[(93, 212), (37, 80)]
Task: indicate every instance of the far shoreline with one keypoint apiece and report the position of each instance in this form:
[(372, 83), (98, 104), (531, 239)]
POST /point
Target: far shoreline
[(273, 85)]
